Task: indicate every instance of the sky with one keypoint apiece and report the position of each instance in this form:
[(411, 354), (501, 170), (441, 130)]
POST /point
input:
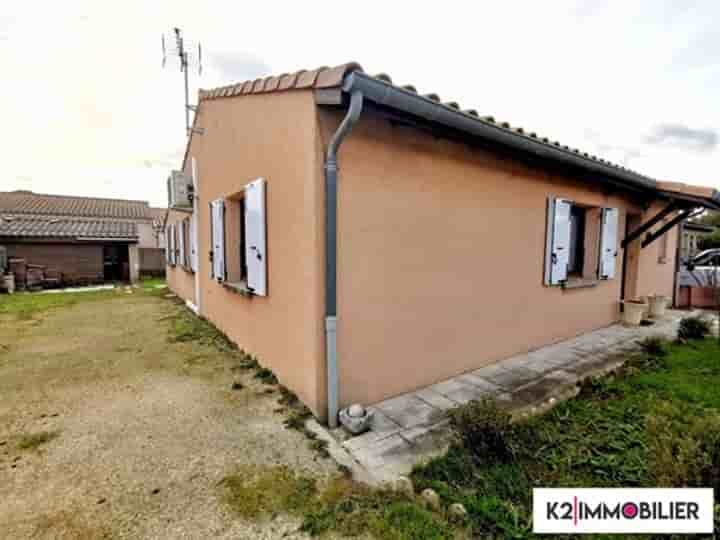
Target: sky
[(87, 109)]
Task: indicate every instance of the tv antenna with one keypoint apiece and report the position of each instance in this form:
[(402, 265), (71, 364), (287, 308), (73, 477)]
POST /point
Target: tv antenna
[(180, 49)]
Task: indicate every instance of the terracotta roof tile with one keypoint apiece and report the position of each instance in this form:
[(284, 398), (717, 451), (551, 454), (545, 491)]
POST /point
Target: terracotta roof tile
[(27, 202), (325, 77)]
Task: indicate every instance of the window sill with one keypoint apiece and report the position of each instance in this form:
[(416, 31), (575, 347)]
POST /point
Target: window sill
[(580, 283), (239, 287)]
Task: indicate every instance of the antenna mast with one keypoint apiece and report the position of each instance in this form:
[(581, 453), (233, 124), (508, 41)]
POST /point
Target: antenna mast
[(185, 57)]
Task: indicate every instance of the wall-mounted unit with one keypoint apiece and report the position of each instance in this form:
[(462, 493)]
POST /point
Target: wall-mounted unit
[(179, 190)]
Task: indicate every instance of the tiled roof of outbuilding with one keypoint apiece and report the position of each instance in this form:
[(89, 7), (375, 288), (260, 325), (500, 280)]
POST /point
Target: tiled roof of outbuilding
[(330, 77), (27, 202), (45, 227)]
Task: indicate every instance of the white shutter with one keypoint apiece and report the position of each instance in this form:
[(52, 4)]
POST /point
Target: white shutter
[(167, 244), (255, 237), (218, 239), (171, 244), (181, 243), (608, 243), (192, 242), (557, 244)]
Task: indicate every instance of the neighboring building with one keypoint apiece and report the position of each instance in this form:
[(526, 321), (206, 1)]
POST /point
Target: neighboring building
[(437, 242), (692, 233), (80, 240)]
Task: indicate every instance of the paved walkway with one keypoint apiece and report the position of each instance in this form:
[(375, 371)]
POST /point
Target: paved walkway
[(413, 427)]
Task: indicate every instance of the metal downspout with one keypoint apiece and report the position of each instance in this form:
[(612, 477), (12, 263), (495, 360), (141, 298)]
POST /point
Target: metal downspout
[(331, 185)]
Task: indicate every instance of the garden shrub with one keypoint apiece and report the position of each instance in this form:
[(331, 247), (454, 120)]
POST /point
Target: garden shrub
[(654, 346), (693, 328), (484, 430)]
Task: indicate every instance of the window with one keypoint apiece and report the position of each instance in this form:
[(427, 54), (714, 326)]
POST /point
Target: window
[(238, 239), (576, 256), (581, 244)]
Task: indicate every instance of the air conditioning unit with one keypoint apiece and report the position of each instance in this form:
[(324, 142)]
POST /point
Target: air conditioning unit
[(179, 190)]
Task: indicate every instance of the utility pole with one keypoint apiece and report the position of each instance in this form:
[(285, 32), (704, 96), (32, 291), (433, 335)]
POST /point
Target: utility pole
[(185, 58)]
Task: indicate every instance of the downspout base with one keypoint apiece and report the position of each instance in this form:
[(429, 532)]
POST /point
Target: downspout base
[(331, 351)]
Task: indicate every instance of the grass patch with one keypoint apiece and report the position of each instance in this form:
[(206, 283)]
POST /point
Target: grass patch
[(654, 423), (186, 326), (33, 441), (25, 306), (339, 505)]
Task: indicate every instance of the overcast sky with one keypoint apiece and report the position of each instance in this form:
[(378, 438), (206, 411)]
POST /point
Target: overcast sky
[(87, 110)]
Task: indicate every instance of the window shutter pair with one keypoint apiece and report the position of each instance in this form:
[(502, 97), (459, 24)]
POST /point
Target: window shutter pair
[(557, 243), (217, 233), (255, 238)]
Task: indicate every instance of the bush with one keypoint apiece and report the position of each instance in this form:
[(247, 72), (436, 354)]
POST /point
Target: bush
[(693, 328), (484, 430), (684, 449), (654, 346)]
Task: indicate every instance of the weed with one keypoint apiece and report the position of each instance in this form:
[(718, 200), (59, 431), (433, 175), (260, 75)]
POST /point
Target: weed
[(35, 440), (248, 362), (266, 376), (318, 445), (693, 328), (654, 346), (297, 418), (484, 429), (186, 326)]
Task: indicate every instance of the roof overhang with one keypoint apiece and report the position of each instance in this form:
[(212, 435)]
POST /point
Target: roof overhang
[(407, 102)]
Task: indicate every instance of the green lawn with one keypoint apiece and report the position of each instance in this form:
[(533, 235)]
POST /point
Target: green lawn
[(656, 423)]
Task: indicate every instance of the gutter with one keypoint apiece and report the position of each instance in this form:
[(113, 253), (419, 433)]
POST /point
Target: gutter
[(331, 191), (396, 98)]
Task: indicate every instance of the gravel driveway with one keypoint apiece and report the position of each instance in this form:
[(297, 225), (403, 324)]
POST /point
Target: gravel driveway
[(108, 429)]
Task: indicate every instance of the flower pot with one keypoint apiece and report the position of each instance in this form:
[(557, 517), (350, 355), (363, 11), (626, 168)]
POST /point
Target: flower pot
[(658, 304), (633, 312), (8, 282)]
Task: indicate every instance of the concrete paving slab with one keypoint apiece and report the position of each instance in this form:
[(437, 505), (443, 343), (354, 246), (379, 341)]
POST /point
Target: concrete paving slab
[(479, 382), (487, 372), (469, 392), (409, 411), (510, 380), (445, 387), (435, 399), (381, 427), (391, 450)]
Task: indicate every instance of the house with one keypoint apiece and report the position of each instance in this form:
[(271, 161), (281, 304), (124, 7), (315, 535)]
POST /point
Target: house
[(364, 240), (81, 240), (692, 233)]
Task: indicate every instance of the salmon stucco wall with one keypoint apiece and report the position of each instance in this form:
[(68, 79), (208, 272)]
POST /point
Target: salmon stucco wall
[(180, 280), (441, 259), (270, 136)]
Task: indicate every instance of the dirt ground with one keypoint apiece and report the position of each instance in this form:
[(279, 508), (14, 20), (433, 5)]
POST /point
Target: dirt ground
[(140, 430)]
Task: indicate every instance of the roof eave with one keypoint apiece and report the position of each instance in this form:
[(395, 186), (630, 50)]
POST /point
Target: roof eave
[(397, 98)]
